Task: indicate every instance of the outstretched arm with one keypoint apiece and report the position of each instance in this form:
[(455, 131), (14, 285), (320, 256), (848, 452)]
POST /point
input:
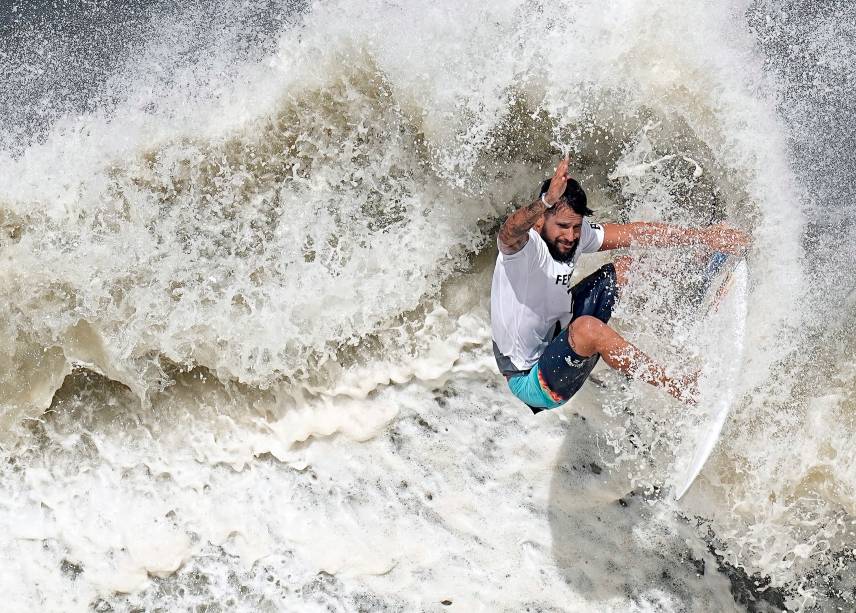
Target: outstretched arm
[(515, 231), (649, 234)]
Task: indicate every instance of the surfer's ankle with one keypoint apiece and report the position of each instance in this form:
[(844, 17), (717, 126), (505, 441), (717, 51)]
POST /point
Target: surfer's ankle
[(686, 389)]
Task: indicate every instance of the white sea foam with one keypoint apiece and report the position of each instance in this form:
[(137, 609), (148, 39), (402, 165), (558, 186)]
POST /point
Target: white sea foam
[(252, 289)]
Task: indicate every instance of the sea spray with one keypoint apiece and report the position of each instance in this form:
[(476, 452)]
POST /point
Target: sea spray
[(250, 283)]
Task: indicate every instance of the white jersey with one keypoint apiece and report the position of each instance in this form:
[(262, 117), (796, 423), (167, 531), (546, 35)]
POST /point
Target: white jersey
[(531, 292)]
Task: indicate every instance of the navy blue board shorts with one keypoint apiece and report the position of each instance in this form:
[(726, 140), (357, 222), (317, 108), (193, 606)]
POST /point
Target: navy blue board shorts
[(560, 372)]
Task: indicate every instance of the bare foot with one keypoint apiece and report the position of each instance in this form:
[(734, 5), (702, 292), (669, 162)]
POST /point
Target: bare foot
[(685, 388), (690, 388)]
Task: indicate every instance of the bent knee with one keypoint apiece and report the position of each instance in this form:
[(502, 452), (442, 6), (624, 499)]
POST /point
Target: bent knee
[(584, 335), (587, 326)]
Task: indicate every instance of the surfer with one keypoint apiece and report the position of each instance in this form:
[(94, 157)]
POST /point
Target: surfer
[(547, 334)]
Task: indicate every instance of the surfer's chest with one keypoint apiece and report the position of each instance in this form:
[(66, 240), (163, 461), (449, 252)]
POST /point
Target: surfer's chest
[(554, 279)]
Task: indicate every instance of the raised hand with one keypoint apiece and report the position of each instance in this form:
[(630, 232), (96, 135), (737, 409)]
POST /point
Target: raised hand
[(558, 183), (514, 233)]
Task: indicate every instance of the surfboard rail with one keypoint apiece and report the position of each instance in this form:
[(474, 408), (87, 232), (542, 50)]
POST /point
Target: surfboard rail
[(726, 314)]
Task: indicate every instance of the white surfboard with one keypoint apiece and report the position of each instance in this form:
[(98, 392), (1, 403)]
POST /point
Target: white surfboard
[(725, 325)]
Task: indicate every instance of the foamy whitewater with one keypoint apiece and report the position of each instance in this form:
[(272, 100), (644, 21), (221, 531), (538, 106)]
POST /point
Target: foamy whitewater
[(245, 260)]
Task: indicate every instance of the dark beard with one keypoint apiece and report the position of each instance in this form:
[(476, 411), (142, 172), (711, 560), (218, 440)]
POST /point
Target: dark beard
[(554, 252)]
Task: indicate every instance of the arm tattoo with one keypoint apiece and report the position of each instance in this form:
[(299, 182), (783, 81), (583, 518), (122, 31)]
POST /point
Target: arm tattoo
[(515, 231)]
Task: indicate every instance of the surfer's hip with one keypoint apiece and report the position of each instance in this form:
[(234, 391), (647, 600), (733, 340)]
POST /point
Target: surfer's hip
[(560, 372)]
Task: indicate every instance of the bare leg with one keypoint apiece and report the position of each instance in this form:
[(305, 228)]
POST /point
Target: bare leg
[(588, 335)]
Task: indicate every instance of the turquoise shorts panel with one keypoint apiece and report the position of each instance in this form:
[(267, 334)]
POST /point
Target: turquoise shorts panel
[(528, 389)]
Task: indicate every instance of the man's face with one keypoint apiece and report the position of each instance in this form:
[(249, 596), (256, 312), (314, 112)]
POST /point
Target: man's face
[(561, 231)]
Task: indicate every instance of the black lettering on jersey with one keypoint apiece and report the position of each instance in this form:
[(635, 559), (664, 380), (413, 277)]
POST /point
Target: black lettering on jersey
[(595, 226), (564, 279)]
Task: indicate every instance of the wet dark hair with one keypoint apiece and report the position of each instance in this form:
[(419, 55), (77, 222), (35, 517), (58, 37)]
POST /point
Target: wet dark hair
[(574, 197)]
